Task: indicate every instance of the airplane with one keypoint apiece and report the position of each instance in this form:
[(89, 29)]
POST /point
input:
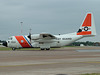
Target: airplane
[(45, 41)]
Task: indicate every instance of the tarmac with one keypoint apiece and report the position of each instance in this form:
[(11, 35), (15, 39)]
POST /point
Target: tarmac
[(61, 61)]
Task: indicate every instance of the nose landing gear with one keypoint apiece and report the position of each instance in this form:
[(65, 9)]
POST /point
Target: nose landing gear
[(13, 49)]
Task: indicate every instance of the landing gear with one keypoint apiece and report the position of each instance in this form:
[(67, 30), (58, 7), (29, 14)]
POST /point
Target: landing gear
[(13, 49), (42, 49), (45, 48)]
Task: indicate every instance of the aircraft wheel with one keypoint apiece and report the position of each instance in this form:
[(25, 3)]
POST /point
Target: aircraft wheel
[(42, 49), (47, 48), (13, 49)]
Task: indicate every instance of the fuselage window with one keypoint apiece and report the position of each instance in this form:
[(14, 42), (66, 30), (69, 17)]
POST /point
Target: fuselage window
[(10, 38)]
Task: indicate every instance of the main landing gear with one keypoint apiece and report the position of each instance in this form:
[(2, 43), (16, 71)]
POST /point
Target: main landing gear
[(45, 48), (13, 49)]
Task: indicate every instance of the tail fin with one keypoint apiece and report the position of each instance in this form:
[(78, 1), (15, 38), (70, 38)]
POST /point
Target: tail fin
[(88, 26)]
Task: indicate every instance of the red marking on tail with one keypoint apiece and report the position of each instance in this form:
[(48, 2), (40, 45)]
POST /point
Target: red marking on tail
[(85, 29), (87, 21), (84, 33), (22, 41)]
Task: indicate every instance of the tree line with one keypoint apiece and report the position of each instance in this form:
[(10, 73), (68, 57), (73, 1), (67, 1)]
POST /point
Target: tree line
[(87, 43)]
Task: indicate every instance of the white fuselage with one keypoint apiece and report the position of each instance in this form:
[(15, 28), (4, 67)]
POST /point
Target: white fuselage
[(61, 40), (46, 41)]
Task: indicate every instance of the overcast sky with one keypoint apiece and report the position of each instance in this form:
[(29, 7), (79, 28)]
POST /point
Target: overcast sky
[(52, 16)]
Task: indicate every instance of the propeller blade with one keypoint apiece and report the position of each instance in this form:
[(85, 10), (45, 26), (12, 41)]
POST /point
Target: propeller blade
[(29, 36)]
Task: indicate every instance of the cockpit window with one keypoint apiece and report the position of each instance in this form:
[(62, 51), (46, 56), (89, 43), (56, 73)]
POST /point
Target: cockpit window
[(10, 38)]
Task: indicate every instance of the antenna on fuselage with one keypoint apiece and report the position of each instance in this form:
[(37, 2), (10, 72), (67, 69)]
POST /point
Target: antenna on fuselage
[(30, 30), (21, 27)]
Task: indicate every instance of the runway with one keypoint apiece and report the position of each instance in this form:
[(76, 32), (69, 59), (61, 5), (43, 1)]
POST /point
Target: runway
[(62, 61)]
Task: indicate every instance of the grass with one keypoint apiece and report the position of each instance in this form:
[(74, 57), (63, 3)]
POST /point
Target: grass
[(91, 74), (5, 48), (70, 46)]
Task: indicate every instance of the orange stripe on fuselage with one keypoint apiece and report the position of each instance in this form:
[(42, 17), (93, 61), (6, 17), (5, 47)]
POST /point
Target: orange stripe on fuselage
[(22, 41), (84, 33), (87, 21)]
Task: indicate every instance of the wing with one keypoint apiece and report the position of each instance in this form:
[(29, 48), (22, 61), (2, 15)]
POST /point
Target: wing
[(44, 37), (47, 36)]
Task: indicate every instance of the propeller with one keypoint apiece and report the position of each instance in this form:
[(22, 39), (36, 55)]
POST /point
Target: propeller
[(29, 36)]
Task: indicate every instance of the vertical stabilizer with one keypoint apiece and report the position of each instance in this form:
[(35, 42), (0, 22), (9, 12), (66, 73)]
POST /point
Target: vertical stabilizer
[(88, 26)]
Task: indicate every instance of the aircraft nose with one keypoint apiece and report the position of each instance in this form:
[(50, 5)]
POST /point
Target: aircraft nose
[(4, 44)]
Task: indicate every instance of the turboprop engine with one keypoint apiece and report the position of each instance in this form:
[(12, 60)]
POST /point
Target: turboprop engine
[(35, 36)]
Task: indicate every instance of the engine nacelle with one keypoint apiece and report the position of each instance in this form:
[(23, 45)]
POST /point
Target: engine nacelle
[(35, 36)]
